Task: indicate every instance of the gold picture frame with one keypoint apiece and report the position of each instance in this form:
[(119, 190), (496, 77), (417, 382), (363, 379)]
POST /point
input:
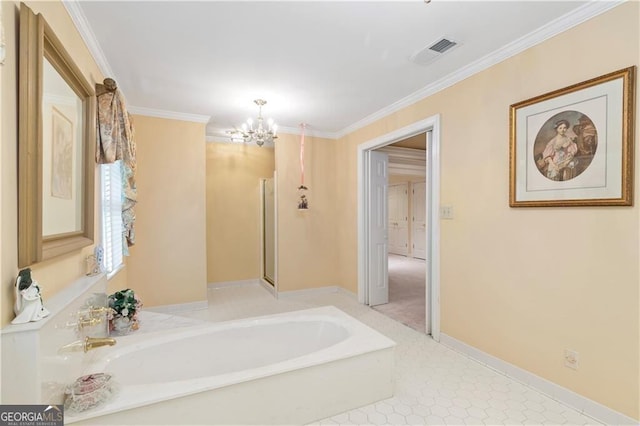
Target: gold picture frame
[(574, 146)]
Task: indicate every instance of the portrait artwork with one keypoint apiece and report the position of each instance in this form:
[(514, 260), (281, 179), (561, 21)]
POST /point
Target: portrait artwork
[(573, 146), (565, 145)]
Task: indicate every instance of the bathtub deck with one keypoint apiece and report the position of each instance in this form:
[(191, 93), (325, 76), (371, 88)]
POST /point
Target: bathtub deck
[(355, 371)]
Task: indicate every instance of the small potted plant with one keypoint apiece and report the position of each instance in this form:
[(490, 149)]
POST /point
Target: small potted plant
[(125, 306)]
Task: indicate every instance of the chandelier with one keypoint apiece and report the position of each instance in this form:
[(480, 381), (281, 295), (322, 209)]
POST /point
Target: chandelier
[(258, 133)]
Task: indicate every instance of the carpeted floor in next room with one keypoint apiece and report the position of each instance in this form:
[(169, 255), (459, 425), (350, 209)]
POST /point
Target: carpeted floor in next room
[(406, 291)]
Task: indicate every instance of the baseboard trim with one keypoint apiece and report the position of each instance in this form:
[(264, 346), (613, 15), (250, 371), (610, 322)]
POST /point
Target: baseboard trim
[(578, 402), (245, 283), (283, 294), (179, 307), (316, 291), (239, 283)]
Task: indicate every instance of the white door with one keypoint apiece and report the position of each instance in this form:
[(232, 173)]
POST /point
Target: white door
[(377, 229), (419, 220), (398, 219)]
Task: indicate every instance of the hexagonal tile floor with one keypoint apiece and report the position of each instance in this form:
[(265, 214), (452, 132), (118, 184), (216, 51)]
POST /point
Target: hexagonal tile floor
[(434, 384)]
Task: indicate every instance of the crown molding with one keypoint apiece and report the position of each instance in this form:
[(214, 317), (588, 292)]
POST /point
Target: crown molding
[(406, 161), (172, 115), (228, 141), (555, 27), (218, 137), (407, 155), (87, 34), (581, 14), (83, 27), (407, 170), (309, 131)]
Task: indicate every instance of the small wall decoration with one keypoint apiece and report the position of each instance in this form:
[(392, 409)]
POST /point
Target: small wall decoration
[(61, 155), (303, 201), (574, 146)]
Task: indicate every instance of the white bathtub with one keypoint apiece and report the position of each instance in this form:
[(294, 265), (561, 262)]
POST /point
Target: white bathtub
[(291, 368)]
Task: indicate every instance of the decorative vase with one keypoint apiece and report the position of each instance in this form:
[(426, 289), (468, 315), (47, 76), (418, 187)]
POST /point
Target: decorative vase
[(121, 325)]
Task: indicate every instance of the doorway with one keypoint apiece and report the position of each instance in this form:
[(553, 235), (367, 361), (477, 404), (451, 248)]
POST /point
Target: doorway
[(407, 268), (368, 243)]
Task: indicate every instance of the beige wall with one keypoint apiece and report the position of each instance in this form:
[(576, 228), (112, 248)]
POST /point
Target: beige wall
[(168, 263), (307, 255), (233, 209), (507, 303), (53, 274), (536, 280)]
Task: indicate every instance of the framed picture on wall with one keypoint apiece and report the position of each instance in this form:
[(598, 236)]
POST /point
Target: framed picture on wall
[(574, 146), (61, 155)]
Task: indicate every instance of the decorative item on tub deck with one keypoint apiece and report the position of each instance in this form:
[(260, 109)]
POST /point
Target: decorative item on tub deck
[(94, 261), (28, 305), (88, 392), (125, 305)]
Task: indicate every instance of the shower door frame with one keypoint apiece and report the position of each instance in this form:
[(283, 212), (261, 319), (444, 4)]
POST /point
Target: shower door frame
[(272, 287)]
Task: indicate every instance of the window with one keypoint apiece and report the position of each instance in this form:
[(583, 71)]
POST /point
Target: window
[(112, 229)]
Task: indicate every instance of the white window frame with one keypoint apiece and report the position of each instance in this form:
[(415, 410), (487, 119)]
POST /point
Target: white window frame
[(112, 227)]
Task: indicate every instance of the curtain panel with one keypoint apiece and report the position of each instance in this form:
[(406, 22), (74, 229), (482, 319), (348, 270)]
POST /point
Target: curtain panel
[(116, 142)]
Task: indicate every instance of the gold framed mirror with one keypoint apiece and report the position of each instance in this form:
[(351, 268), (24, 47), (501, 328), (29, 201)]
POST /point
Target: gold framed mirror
[(56, 145)]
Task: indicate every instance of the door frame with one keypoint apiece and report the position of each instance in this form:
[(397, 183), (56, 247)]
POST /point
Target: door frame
[(411, 214), (432, 283)]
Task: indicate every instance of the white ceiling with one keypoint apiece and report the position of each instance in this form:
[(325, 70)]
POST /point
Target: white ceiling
[(334, 65)]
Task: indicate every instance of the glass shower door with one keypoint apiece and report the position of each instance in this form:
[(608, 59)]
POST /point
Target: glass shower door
[(268, 234)]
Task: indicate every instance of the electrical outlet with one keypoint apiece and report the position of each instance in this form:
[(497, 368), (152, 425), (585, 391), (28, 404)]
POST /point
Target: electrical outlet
[(571, 359), (446, 212)]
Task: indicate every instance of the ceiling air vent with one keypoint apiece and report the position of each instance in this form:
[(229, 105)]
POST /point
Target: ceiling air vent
[(442, 45), (432, 52)]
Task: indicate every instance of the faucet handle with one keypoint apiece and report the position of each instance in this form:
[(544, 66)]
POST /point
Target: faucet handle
[(100, 309), (84, 322), (94, 311), (88, 317)]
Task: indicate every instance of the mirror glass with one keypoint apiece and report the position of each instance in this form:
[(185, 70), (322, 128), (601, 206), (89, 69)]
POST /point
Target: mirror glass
[(62, 155)]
